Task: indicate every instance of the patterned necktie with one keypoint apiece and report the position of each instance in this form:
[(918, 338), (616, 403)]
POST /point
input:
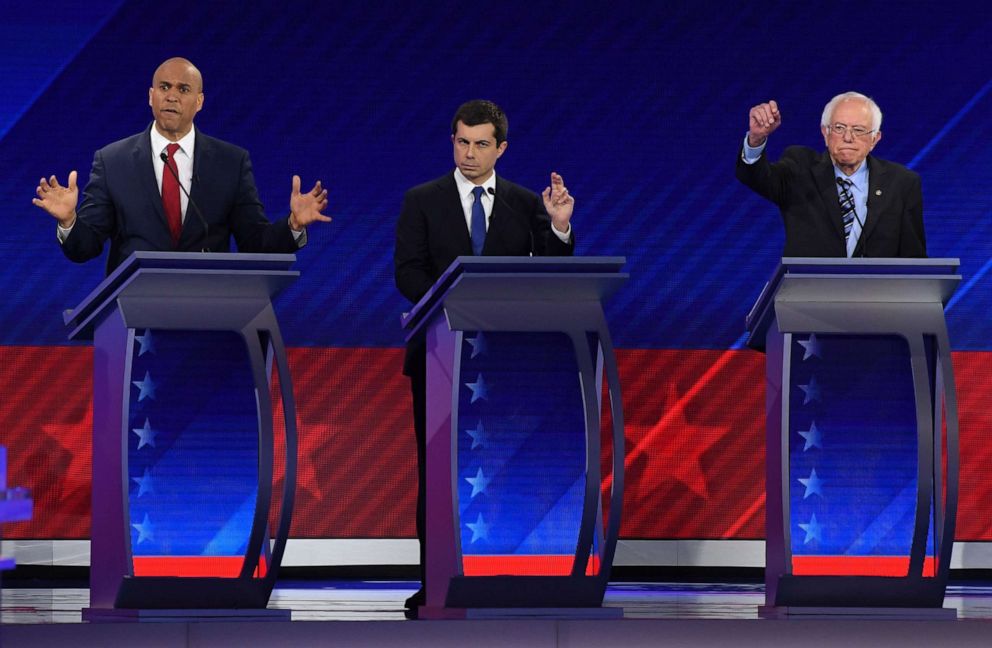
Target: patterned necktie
[(170, 196), (846, 205), (478, 222)]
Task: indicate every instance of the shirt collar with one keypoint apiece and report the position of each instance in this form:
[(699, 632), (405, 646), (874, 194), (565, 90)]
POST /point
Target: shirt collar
[(186, 143), (859, 178), (465, 186)]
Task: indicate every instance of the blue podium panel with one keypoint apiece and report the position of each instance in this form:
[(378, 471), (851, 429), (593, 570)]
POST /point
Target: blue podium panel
[(186, 349), (521, 452), (518, 362), (853, 455), (193, 450), (861, 418)]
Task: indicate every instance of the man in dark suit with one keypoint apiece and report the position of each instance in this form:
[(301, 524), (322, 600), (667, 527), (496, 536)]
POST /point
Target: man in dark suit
[(173, 188), (470, 211), (843, 202)]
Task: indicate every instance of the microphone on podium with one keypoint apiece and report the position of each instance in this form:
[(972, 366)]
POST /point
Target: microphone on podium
[(203, 221)]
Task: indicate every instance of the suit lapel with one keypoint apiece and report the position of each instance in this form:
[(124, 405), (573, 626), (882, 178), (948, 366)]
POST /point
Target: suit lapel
[(824, 177), (498, 218), (201, 160), (878, 198), (452, 215)]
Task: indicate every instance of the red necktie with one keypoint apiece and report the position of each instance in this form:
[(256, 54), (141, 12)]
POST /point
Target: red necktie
[(170, 196)]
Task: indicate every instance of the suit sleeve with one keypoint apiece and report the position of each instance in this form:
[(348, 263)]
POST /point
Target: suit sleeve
[(766, 179), (251, 228), (411, 255), (96, 218), (546, 243), (912, 236)]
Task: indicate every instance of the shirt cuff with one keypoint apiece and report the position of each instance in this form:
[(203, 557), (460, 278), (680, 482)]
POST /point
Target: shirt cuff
[(564, 237), (752, 153), (300, 237), (63, 233)]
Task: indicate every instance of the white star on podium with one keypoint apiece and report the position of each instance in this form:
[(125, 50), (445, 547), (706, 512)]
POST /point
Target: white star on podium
[(479, 482), (812, 529), (479, 528), (146, 386), (812, 347), (145, 531), (479, 389), (813, 484), (146, 435)]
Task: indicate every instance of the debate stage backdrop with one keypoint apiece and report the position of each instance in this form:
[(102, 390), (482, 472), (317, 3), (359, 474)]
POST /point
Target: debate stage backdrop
[(640, 106)]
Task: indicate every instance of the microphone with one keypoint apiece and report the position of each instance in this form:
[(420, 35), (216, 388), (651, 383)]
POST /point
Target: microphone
[(496, 196), (203, 221)]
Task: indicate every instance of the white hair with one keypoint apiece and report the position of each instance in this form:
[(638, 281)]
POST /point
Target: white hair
[(828, 110)]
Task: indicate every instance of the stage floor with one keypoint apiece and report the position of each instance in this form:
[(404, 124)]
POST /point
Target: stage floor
[(370, 613)]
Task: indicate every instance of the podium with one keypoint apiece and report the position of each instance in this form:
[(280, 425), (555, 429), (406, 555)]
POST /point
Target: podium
[(517, 351), (183, 443), (862, 432)]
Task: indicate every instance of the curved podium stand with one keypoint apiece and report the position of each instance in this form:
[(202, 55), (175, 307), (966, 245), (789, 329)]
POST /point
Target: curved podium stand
[(183, 444), (517, 349), (862, 432)]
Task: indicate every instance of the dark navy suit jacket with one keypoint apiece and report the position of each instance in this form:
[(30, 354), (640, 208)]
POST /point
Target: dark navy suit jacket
[(123, 203), (431, 233), (802, 184)]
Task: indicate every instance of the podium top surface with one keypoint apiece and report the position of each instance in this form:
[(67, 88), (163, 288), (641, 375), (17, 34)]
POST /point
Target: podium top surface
[(187, 273), (841, 279), (533, 270)]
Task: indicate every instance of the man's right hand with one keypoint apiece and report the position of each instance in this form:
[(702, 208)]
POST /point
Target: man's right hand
[(57, 200), (764, 119)]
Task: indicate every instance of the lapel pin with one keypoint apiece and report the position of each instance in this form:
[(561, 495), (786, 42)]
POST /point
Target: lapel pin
[(878, 192)]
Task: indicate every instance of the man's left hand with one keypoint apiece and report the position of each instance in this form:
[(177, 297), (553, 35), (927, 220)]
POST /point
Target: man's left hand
[(558, 203), (305, 208)]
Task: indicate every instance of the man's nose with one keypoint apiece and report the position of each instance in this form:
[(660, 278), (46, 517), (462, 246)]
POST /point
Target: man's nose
[(471, 151)]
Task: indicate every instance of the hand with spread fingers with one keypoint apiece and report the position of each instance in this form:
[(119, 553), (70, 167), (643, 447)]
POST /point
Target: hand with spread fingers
[(306, 208), (762, 122), (59, 201), (558, 203)]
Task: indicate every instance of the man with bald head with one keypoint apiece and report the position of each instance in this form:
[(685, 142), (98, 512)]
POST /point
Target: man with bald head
[(173, 188), (843, 202)]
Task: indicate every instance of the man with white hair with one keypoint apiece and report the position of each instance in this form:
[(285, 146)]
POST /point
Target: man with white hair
[(842, 202)]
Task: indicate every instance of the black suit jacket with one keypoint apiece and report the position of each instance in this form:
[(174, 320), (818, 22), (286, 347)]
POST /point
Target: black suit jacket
[(122, 202), (802, 184), (431, 232)]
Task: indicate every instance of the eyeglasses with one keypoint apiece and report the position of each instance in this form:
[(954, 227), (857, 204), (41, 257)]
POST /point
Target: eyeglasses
[(859, 132)]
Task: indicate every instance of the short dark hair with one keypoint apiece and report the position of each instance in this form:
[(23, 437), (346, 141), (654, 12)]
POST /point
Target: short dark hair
[(481, 111)]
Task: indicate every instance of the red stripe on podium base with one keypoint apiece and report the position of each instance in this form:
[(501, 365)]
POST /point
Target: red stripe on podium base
[(858, 566), (508, 565), (192, 566)]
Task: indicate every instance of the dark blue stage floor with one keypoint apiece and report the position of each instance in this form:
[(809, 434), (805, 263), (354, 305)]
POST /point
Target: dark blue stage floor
[(356, 613)]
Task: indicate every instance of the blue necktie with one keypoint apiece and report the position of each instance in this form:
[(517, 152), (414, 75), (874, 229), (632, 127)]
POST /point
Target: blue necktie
[(478, 222), (846, 205)]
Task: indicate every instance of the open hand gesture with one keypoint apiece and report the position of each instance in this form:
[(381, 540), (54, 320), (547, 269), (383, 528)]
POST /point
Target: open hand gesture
[(305, 208), (57, 200), (558, 203)]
